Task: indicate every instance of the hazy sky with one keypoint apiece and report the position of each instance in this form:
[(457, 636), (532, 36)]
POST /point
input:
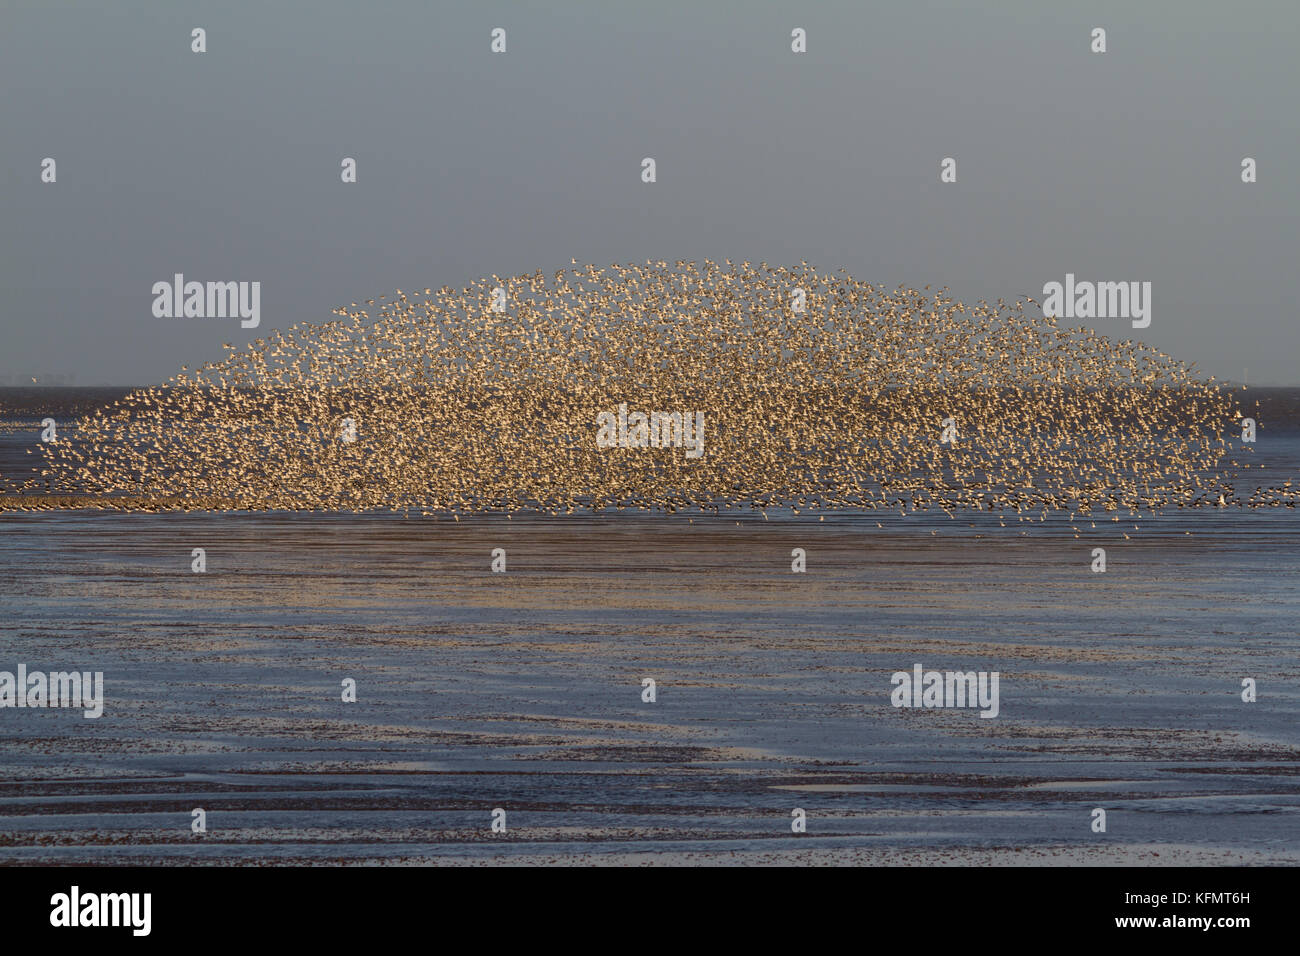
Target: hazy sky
[(224, 165)]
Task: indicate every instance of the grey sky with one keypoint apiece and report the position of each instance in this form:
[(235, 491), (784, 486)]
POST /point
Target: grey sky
[(225, 165)]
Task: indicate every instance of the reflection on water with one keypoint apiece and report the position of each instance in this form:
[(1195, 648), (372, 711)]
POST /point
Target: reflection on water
[(523, 690)]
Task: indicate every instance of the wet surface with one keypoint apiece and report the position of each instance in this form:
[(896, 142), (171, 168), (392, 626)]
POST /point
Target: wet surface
[(523, 690)]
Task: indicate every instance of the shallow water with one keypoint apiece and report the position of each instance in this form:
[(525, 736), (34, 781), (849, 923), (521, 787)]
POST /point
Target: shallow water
[(523, 690)]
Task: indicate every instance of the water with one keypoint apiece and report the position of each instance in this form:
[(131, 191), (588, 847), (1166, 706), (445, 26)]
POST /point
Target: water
[(523, 690)]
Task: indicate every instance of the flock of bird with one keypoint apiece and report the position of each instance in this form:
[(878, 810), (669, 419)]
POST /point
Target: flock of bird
[(818, 392)]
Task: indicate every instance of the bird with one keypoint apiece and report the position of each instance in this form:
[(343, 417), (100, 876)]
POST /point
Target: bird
[(456, 402)]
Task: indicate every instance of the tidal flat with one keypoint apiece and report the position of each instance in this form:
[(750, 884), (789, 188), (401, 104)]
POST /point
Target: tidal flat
[(524, 691)]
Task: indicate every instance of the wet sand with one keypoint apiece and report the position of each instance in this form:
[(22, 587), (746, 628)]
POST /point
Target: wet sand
[(523, 691)]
